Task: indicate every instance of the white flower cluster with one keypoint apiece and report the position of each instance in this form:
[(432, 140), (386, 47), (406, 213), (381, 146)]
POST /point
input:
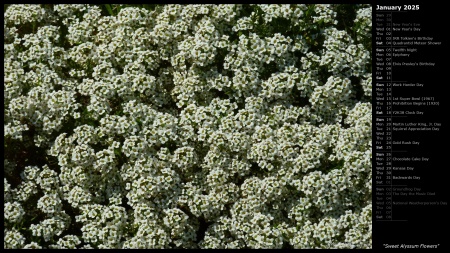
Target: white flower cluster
[(364, 23), (13, 239), (17, 14), (187, 126), (13, 211)]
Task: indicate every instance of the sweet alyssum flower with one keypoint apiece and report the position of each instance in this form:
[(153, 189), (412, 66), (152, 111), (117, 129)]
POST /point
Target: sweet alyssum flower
[(187, 126)]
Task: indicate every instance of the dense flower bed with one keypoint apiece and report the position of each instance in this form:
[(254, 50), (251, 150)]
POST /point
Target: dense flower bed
[(187, 126)]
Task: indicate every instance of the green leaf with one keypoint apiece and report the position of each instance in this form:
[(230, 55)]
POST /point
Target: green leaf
[(118, 8), (109, 9)]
